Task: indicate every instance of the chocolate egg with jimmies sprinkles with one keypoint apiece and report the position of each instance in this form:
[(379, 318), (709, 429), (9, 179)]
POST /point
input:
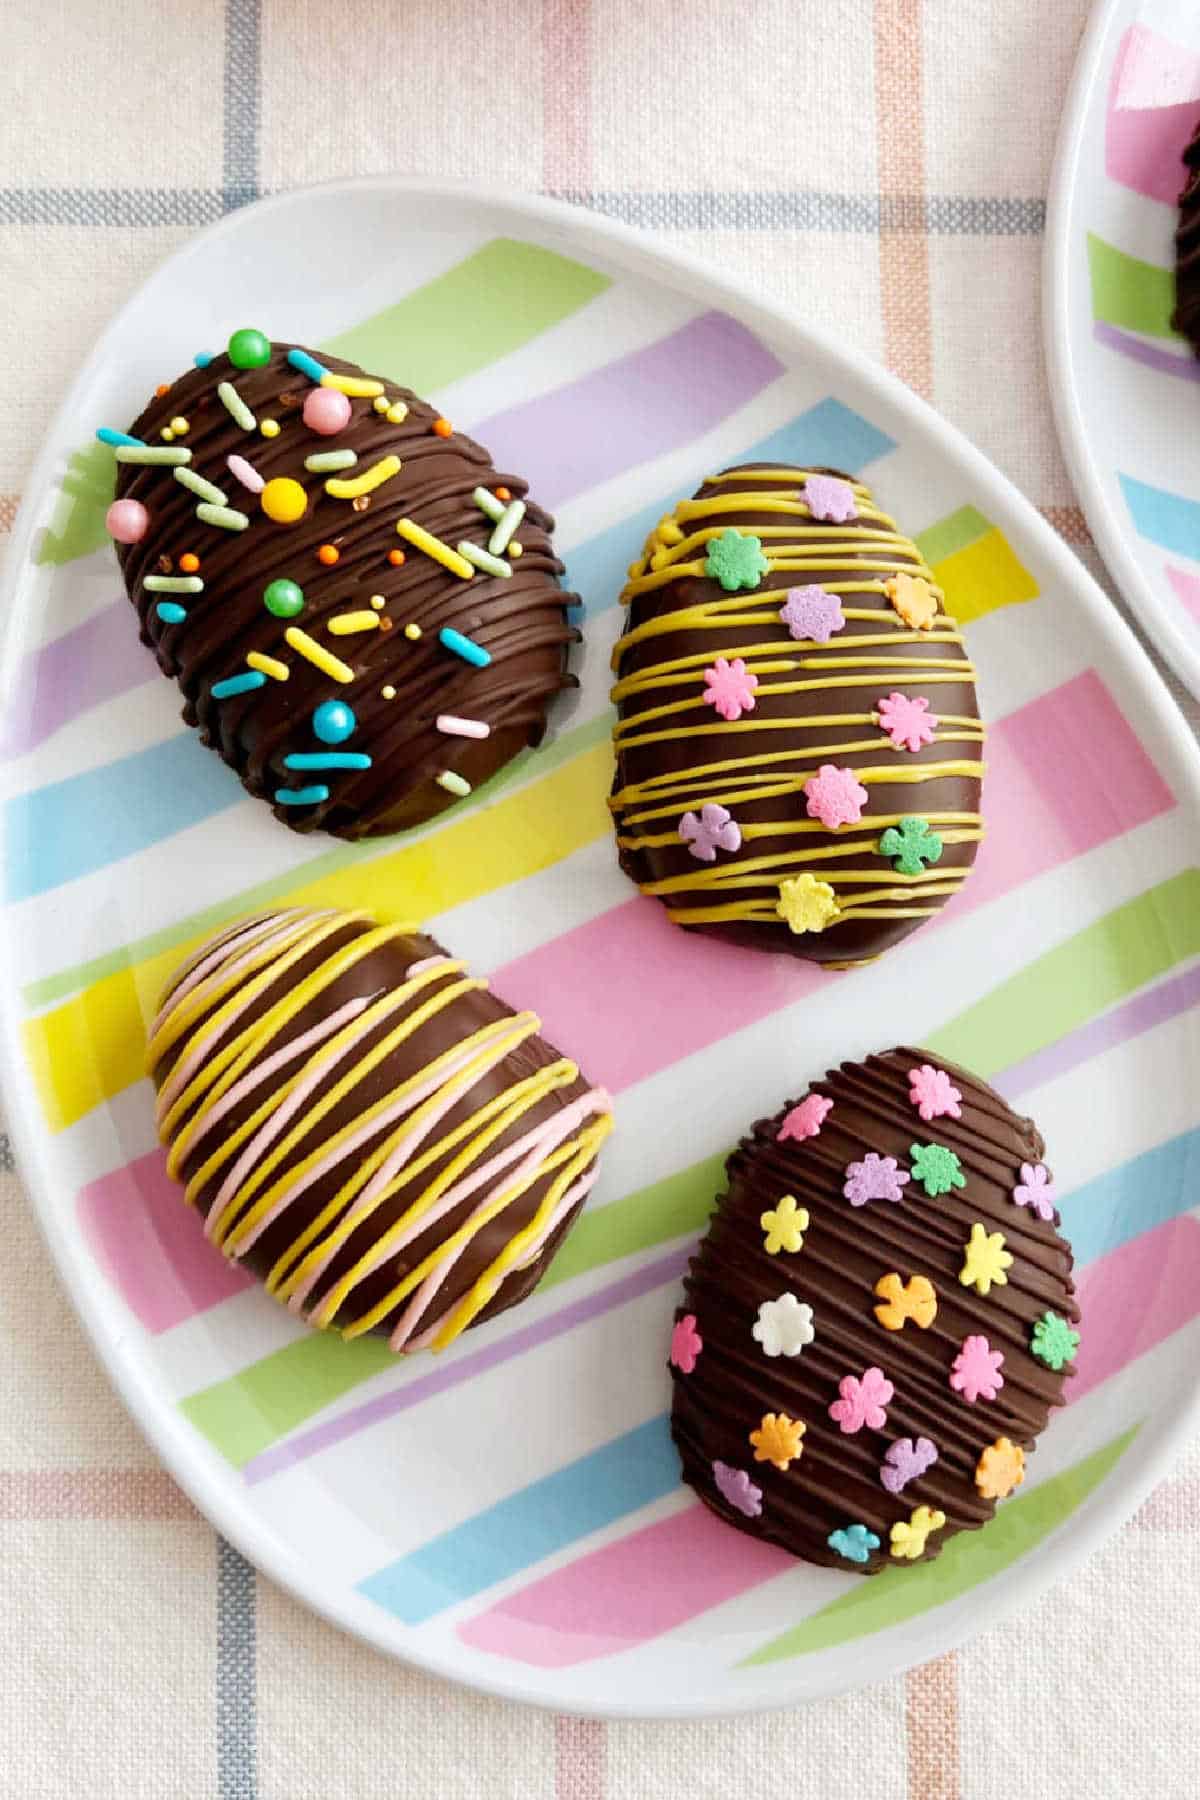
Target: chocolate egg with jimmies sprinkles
[(363, 615), (879, 1319), (798, 741)]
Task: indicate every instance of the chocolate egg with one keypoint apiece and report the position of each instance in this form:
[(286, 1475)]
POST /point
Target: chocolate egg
[(364, 1126), (798, 742), (879, 1319)]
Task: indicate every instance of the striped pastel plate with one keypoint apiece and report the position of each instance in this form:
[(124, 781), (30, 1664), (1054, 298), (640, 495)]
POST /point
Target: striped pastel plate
[(509, 1513), (1126, 387)]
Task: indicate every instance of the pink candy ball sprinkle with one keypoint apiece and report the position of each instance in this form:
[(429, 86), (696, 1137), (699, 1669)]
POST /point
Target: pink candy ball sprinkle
[(127, 521), (326, 410)]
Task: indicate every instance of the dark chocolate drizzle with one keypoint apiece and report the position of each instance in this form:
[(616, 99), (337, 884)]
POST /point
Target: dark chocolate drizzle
[(1187, 250), (521, 621), (835, 1482)]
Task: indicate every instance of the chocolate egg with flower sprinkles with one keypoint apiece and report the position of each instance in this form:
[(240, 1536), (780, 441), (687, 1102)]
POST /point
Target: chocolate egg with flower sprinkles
[(338, 549), (798, 741), (879, 1320), (365, 1127)]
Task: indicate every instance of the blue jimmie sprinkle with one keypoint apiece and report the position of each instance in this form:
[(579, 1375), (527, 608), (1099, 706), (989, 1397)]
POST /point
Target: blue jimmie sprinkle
[(465, 647), (170, 614), (107, 435), (307, 365), (327, 759), (238, 684), (309, 796)]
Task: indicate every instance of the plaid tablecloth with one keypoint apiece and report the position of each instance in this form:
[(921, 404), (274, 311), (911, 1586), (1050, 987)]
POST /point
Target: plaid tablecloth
[(879, 166)]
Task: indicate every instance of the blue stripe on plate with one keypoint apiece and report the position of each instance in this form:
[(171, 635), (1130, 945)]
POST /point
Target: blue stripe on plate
[(1169, 520)]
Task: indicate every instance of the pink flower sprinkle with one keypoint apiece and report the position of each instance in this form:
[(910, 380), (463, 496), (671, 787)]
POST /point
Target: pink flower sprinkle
[(805, 1120), (976, 1370), (907, 720), (863, 1402), (933, 1093), (729, 687), (830, 499), (874, 1178), (834, 796), (810, 612), (905, 1461), (735, 1486), (1036, 1190), (686, 1344), (715, 829)]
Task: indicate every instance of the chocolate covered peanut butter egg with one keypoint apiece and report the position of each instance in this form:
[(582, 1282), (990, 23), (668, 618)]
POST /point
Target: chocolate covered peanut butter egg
[(386, 1144), (363, 615), (879, 1320), (798, 742)]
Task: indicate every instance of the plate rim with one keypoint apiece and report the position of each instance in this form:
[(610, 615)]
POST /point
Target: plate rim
[(1113, 539), (187, 1459)]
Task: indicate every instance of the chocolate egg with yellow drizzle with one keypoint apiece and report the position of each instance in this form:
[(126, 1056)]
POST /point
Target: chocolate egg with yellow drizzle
[(364, 1126), (798, 741)]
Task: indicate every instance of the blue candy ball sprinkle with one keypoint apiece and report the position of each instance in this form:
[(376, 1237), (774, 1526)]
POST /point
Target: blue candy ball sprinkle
[(334, 722)]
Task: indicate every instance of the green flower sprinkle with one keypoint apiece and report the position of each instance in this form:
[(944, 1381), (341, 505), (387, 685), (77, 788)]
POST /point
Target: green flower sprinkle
[(736, 560)]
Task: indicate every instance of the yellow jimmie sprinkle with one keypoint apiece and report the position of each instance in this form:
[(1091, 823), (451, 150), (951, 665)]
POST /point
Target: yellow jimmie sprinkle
[(267, 665), (367, 482), (359, 387), (346, 624), (421, 539), (317, 655)]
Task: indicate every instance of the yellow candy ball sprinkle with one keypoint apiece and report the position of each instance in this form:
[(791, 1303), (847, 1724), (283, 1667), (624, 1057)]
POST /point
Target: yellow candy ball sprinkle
[(180, 426), (270, 428), (284, 500), (167, 435), (412, 632), (389, 692)]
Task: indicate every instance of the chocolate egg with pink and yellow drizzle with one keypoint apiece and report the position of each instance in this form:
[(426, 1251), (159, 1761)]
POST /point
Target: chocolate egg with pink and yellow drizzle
[(879, 1320), (386, 1144), (798, 741)]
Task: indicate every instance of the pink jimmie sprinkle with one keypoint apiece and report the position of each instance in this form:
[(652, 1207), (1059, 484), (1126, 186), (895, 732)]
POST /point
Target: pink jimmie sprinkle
[(805, 1120), (735, 1486), (976, 1369), (834, 796), (863, 1401), (933, 1093), (715, 829), (907, 720), (686, 1344), (729, 686), (453, 726), (1036, 1190), (246, 473)]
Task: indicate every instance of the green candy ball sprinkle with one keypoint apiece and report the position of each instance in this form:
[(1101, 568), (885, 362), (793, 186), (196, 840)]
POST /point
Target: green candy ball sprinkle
[(283, 598), (249, 349)]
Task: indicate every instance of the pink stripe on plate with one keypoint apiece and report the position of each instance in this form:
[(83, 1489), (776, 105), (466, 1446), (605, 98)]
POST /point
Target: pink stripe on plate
[(152, 1247), (1134, 1298), (657, 1578), (1152, 102), (1187, 588), (1065, 774)]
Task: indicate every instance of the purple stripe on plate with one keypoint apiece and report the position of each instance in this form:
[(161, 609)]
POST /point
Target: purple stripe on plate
[(95, 662), (1168, 362), (465, 1368), (1129, 1020), (632, 410)]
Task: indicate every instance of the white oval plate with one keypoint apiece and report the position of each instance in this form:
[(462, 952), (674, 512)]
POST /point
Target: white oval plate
[(1126, 389), (509, 1514)]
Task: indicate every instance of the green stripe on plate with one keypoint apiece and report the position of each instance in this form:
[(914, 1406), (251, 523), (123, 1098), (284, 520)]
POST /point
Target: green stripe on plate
[(950, 535), (493, 302), (1129, 293), (970, 1558)]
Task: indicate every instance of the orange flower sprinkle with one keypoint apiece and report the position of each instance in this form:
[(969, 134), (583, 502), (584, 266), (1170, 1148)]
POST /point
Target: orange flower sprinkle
[(328, 554), (1000, 1469), (777, 1440), (913, 600)]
